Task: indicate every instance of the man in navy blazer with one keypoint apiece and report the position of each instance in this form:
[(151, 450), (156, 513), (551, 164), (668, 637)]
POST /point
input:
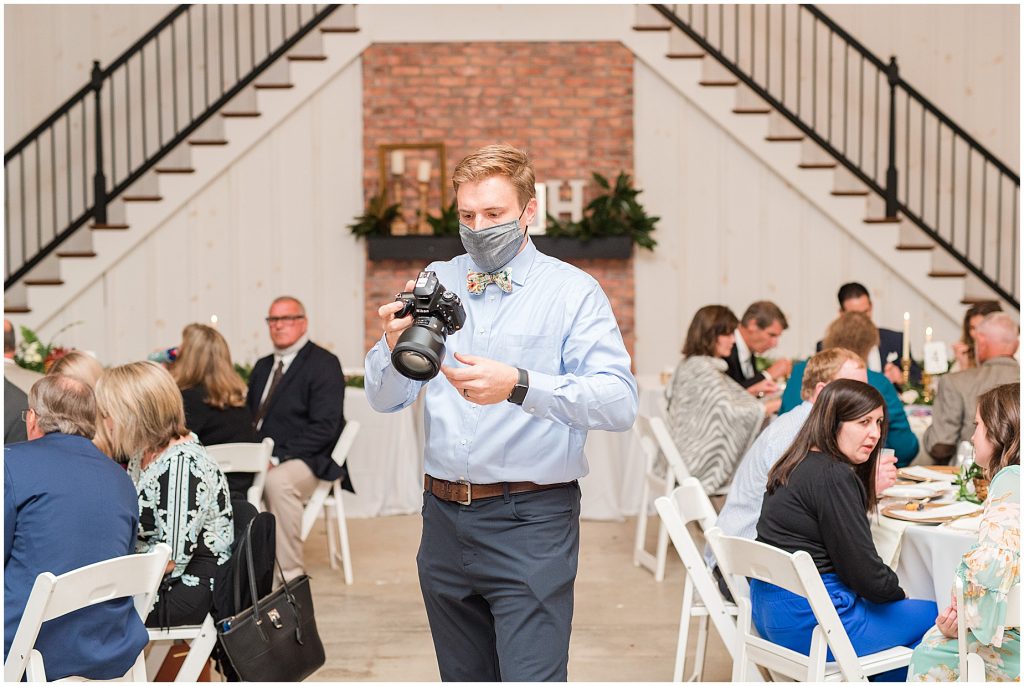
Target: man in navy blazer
[(886, 357), (67, 505), (296, 396)]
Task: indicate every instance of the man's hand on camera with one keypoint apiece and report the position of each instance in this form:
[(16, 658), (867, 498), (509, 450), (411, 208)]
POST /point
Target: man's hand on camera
[(481, 381), (393, 328)]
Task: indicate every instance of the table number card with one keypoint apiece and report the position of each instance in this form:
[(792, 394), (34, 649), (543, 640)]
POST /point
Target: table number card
[(936, 361)]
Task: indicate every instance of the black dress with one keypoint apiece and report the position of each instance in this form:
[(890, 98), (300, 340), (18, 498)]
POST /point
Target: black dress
[(213, 427)]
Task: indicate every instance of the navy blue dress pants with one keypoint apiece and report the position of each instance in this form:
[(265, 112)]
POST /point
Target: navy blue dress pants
[(497, 579)]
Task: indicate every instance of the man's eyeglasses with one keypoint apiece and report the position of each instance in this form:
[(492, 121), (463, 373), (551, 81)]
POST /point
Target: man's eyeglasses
[(24, 415), (287, 319)]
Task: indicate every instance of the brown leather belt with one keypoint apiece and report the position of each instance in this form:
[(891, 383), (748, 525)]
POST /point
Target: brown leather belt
[(464, 493)]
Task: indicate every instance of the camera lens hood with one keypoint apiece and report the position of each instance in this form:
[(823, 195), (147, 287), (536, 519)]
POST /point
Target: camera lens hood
[(418, 353)]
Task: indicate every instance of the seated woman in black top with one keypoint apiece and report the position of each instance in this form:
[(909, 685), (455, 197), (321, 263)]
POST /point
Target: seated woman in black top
[(214, 395), (817, 498)]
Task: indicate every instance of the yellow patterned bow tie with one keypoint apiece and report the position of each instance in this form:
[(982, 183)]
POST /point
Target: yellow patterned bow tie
[(476, 282)]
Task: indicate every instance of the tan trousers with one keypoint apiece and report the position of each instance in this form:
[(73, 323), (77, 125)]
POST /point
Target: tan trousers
[(289, 485)]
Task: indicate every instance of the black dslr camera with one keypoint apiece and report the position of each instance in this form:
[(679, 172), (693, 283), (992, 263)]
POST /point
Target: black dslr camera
[(437, 313)]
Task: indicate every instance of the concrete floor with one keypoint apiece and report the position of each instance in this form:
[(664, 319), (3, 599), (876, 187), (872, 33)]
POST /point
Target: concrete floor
[(625, 624)]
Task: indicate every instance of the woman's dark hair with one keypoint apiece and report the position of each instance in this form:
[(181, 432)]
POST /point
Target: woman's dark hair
[(842, 400), (710, 322), (999, 409), (985, 307)]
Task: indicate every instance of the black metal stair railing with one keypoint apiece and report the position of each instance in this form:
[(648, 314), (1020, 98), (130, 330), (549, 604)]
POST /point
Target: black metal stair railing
[(132, 114), (860, 110)]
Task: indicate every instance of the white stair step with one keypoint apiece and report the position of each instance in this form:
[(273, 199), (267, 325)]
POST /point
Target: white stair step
[(342, 20), (845, 183), (177, 160), (277, 75), (16, 299), (242, 105), (681, 46), (712, 73), (649, 19), (45, 273), (913, 238), (781, 129), (976, 291), (78, 245), (146, 189), (943, 265), (311, 47), (749, 102), (813, 157), (211, 131)]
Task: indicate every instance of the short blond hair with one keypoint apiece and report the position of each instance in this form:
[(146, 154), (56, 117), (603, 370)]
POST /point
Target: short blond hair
[(79, 365), (824, 367), (204, 358), (63, 404), (854, 331), (498, 160), (144, 406)]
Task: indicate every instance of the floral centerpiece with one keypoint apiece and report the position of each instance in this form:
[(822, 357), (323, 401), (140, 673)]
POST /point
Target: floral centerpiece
[(971, 483), (35, 354)]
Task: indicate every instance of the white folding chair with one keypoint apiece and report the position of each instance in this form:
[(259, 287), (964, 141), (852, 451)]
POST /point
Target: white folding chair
[(796, 573), (972, 667), (655, 440), (327, 497), (55, 596), (686, 504), (202, 639), (251, 458)]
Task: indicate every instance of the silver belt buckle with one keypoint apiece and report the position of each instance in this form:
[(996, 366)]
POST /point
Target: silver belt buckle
[(469, 493)]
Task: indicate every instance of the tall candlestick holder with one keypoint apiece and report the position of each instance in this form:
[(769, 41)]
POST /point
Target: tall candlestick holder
[(927, 394), (423, 227), (398, 227), (906, 372)]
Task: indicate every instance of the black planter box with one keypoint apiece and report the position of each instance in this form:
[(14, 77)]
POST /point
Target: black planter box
[(430, 248)]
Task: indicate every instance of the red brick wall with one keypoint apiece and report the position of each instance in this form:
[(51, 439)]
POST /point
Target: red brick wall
[(570, 105)]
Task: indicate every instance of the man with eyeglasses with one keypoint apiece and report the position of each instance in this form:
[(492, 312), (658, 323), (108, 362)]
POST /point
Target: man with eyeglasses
[(296, 396)]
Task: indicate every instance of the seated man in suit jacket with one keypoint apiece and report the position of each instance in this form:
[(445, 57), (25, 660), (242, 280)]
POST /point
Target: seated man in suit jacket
[(884, 357), (67, 505), (996, 341), (296, 396), (759, 331)]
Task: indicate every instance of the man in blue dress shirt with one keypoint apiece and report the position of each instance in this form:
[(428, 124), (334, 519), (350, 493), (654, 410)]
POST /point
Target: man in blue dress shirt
[(538, 363), (67, 505)]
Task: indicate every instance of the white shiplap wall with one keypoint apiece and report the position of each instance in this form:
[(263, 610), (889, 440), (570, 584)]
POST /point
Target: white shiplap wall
[(732, 232), (274, 223)]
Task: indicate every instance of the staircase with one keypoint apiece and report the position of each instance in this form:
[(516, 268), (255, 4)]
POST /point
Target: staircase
[(152, 130), (819, 108)]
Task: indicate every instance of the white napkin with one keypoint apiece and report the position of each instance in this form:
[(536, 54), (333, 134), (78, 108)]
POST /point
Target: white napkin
[(953, 510), (924, 473), (964, 524)]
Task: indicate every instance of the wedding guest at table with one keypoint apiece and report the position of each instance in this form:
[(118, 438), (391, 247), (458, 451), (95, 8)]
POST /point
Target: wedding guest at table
[(711, 418), (996, 339), (758, 332), (538, 364), (885, 356), (80, 365), (66, 505), (17, 375), (213, 395), (963, 350), (817, 500), (742, 506), (992, 566), (183, 496), (15, 404), (297, 397), (855, 331)]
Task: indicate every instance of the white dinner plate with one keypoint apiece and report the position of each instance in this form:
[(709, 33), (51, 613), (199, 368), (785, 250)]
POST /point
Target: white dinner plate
[(911, 491)]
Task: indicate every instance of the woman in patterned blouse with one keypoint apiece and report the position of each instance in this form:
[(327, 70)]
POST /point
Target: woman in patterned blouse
[(183, 495), (991, 568)]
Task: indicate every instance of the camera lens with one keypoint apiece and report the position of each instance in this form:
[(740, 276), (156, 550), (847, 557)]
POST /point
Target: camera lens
[(419, 351)]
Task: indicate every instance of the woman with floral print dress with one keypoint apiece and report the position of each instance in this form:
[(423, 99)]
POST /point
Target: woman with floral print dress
[(183, 495), (992, 566)]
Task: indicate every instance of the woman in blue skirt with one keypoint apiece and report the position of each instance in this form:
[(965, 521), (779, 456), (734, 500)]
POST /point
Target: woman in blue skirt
[(818, 497)]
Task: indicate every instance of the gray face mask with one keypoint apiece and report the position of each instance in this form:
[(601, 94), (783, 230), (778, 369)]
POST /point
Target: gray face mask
[(494, 247)]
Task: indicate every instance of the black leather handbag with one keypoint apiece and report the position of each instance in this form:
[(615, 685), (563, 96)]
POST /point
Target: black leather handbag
[(275, 639)]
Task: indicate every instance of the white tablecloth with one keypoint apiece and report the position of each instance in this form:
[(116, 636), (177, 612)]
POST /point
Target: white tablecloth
[(386, 462), (612, 489), (928, 559)]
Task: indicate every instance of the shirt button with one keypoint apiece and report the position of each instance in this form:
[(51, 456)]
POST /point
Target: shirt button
[(463, 441), (491, 298), (530, 410)]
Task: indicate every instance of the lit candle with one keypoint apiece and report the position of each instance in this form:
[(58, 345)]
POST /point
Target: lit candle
[(213, 320), (423, 173), (397, 162), (906, 335), (928, 334)]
